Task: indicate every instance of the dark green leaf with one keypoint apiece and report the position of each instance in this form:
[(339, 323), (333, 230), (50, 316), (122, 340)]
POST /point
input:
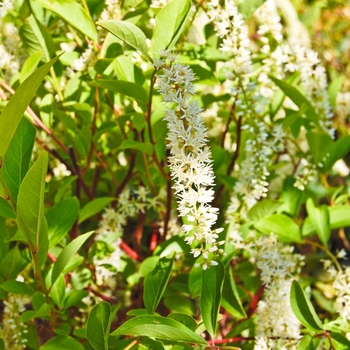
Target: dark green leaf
[(14, 110), (94, 207), (212, 283), (31, 220), (6, 210), (340, 341), (127, 88), (60, 219), (67, 254), (18, 156), (129, 33), (297, 97), (339, 150), (303, 309), (308, 343), (62, 342), (146, 147), (74, 14), (184, 319), (230, 297), (16, 287), (169, 24), (156, 282), (44, 310), (98, 325), (282, 226), (320, 144), (319, 218), (160, 328)]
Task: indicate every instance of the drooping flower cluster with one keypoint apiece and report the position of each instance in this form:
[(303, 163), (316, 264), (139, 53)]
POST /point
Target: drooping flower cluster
[(12, 329), (341, 285), (190, 160), (230, 26), (276, 323)]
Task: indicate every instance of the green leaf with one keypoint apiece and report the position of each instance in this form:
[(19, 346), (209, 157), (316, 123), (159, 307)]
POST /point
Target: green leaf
[(94, 207), (230, 297), (319, 218), (333, 89), (282, 226), (73, 297), (67, 254), (98, 326), (60, 219), (30, 65), (339, 216), (339, 150), (127, 88), (303, 309), (42, 35), (146, 147), (340, 341), (129, 33), (297, 97), (12, 263), (15, 108), (320, 144), (16, 287), (263, 208), (160, 328), (156, 282), (6, 210), (44, 310), (169, 24), (212, 283), (18, 156), (308, 343), (150, 344), (248, 7), (31, 220), (184, 319), (74, 14), (62, 342)]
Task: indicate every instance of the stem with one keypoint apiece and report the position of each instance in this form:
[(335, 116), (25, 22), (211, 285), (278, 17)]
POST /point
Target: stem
[(326, 250)]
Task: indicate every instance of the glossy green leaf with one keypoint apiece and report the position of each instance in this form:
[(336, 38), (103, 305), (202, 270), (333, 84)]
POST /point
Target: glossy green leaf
[(308, 343), (18, 156), (339, 216), (98, 325), (31, 220), (320, 145), (297, 97), (303, 309), (160, 328), (42, 311), (67, 253), (43, 37), (6, 210), (339, 150), (211, 296), (73, 297), (74, 14), (150, 344), (60, 219), (282, 226), (58, 291), (12, 264), (16, 287), (340, 341), (62, 342), (319, 218), (127, 32), (169, 24), (30, 65), (15, 108), (263, 208), (184, 319), (230, 297), (94, 207), (127, 88), (156, 282), (145, 147)]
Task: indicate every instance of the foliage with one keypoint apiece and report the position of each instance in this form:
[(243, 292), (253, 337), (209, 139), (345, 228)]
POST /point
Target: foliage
[(174, 175)]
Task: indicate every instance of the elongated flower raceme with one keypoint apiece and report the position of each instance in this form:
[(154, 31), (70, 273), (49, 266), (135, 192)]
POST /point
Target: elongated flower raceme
[(190, 158)]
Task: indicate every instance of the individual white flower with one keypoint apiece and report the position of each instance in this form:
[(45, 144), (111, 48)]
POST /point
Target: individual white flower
[(190, 158), (60, 171)]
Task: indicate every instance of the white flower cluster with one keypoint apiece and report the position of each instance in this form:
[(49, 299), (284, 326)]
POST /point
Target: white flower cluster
[(230, 26), (341, 285), (276, 325), (5, 7), (112, 10), (60, 171), (190, 160), (12, 330)]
